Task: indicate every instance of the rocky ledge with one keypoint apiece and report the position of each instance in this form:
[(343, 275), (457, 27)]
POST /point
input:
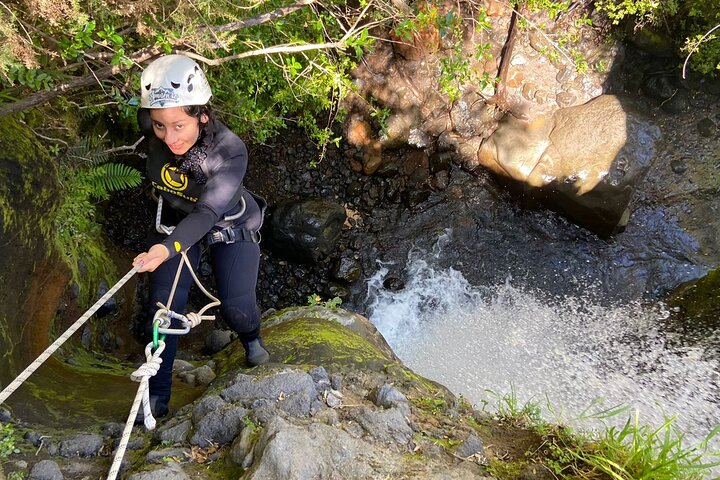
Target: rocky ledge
[(333, 403)]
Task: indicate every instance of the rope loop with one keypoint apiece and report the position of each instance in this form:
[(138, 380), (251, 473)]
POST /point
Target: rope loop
[(143, 374)]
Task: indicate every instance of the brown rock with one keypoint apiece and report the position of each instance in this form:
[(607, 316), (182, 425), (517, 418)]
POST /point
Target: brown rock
[(359, 132), (372, 158)]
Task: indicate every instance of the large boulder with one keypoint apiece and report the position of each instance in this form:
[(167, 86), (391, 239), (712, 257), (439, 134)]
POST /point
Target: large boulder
[(585, 160), (307, 230)]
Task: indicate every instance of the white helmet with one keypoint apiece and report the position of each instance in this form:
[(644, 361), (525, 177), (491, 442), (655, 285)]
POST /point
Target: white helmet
[(173, 81)]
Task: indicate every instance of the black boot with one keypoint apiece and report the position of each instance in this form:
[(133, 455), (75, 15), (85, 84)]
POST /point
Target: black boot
[(255, 352)]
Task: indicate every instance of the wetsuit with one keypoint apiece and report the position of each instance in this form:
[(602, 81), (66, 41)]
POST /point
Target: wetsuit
[(196, 210)]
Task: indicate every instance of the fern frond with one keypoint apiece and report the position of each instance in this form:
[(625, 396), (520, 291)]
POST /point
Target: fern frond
[(88, 151), (111, 177)]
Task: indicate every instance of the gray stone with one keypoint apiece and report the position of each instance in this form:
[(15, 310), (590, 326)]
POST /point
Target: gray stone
[(707, 128), (388, 396), (219, 426), (218, 340), (171, 471), (386, 426), (165, 454), (206, 405), (242, 446), (174, 431), (45, 470), (471, 446), (201, 376), (82, 445), (182, 366), (347, 269), (293, 392)]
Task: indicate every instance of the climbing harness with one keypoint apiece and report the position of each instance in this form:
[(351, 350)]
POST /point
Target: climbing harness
[(167, 230), (7, 391)]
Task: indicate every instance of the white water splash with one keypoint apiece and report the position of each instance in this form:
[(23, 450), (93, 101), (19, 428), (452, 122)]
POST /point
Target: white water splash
[(572, 353)]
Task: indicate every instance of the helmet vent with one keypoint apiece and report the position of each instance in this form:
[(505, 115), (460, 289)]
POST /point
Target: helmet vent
[(147, 87), (175, 85)]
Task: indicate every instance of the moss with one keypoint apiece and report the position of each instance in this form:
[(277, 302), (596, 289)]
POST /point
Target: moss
[(313, 341), (28, 182), (507, 470), (698, 302)]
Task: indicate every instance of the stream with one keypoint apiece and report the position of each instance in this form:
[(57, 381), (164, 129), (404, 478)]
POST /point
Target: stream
[(573, 355)]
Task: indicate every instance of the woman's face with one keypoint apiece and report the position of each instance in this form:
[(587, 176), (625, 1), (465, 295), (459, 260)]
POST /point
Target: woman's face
[(176, 128)]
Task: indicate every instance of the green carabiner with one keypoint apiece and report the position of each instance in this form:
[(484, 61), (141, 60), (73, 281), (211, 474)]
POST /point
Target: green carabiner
[(156, 334)]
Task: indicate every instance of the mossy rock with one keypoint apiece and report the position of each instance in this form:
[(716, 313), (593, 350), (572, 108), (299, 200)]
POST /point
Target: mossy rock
[(28, 181), (302, 336), (697, 303)]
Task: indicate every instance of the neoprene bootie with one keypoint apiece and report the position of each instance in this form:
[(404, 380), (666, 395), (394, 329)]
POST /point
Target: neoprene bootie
[(255, 352)]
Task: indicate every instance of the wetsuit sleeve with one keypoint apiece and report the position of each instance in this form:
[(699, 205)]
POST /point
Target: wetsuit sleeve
[(217, 197)]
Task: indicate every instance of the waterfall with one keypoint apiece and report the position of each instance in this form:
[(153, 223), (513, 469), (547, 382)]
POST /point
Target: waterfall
[(565, 354)]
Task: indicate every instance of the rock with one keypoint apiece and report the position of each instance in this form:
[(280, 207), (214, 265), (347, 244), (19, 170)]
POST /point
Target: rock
[(347, 269), (180, 365), (294, 452), (679, 102), (171, 471), (292, 392), (707, 128), (219, 426), (174, 431), (242, 446), (587, 159), (471, 446), (46, 470), (5, 415), (306, 231), (217, 340), (207, 404), (386, 426), (388, 396), (162, 455), (82, 445), (203, 375)]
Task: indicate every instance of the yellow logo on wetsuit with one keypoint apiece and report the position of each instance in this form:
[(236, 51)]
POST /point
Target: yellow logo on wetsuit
[(173, 178)]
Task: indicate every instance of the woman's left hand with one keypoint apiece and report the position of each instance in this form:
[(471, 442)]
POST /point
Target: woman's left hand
[(150, 260)]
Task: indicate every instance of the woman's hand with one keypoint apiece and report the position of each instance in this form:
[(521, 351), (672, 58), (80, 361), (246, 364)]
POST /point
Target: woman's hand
[(150, 260)]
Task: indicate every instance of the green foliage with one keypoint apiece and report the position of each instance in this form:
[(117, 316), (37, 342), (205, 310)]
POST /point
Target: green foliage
[(86, 177), (685, 22), (642, 452), (632, 452), (457, 68), (315, 300), (8, 440)]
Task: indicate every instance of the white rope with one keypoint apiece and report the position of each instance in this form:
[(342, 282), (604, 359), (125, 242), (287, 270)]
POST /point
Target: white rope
[(142, 375), (7, 391)]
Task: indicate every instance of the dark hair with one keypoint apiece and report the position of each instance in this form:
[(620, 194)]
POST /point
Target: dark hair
[(198, 110)]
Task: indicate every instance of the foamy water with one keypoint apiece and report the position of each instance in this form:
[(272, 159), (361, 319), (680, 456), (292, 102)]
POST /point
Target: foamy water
[(571, 352)]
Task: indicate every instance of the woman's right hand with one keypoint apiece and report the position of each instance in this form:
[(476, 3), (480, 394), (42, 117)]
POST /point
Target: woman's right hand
[(153, 258)]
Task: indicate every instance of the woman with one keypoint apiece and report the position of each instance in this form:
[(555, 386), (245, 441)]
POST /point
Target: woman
[(197, 165)]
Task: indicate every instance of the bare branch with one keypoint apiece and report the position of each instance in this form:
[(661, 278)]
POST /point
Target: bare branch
[(263, 18), (696, 46), (263, 51), (124, 148), (79, 82)]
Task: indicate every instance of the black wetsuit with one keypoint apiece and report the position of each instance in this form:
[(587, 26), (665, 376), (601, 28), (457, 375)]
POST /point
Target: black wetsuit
[(197, 209)]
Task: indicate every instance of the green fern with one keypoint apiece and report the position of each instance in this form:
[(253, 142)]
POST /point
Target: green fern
[(112, 177), (87, 151), (86, 177)]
